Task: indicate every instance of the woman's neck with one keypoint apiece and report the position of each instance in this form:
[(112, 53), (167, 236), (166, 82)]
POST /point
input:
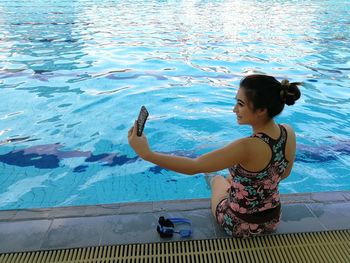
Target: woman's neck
[(269, 127)]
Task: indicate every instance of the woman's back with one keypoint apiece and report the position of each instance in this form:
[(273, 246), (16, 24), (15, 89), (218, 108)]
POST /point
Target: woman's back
[(259, 152), (257, 190)]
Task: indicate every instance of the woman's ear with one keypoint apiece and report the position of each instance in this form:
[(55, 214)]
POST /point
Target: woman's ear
[(262, 112)]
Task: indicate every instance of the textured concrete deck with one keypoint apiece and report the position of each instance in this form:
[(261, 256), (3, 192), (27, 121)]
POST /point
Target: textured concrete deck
[(70, 227)]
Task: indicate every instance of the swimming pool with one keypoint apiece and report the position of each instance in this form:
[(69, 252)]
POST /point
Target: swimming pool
[(73, 75)]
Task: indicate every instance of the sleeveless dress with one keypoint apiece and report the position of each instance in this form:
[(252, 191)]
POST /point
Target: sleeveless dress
[(253, 203)]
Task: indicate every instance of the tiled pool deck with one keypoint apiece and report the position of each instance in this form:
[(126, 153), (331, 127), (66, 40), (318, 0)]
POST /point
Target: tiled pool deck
[(83, 226)]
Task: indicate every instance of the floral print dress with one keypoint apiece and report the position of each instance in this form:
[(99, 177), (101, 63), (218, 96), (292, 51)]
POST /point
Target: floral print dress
[(253, 203)]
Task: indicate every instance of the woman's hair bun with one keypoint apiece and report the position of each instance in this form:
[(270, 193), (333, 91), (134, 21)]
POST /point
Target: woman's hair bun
[(290, 92)]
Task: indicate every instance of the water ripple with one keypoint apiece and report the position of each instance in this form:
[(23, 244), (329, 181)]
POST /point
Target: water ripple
[(76, 72)]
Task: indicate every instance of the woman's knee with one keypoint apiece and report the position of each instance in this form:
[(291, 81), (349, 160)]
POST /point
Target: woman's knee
[(219, 191), (219, 181)]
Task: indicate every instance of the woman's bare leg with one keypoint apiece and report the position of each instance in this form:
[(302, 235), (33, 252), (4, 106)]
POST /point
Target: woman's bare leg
[(209, 178), (219, 187)]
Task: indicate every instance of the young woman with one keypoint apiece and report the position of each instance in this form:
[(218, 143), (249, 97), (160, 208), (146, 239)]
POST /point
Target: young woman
[(247, 202)]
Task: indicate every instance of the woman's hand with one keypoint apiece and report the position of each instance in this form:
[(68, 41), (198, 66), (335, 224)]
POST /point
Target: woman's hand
[(139, 144)]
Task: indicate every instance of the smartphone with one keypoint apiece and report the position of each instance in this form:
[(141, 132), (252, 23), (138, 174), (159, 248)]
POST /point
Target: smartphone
[(141, 120)]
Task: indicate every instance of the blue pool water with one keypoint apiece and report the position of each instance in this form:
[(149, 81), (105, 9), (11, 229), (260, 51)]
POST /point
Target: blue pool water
[(73, 75)]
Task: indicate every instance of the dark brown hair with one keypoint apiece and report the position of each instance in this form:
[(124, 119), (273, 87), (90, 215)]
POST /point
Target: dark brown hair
[(265, 92)]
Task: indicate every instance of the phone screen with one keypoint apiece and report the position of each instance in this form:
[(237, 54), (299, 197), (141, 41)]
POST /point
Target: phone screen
[(141, 120)]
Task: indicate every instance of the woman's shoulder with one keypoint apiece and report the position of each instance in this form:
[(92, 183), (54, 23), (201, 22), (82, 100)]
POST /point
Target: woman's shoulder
[(254, 144), (287, 126), (289, 129), (291, 139)]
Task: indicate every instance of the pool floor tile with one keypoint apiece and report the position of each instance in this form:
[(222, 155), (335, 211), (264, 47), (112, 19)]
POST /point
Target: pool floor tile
[(328, 197), (180, 205), (126, 229), (100, 210), (141, 228), (32, 214), (112, 224), (297, 218), (335, 216), (126, 208), (69, 211), (296, 198), (74, 232), (219, 231), (23, 235), (347, 195), (202, 222), (7, 215)]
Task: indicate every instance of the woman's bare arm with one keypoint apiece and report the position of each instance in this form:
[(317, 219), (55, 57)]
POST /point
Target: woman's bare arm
[(213, 161), (290, 150)]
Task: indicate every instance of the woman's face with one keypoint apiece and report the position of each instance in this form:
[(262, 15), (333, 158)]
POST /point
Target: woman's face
[(244, 109)]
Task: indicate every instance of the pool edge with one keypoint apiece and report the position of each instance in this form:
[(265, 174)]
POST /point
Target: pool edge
[(126, 223), (154, 206)]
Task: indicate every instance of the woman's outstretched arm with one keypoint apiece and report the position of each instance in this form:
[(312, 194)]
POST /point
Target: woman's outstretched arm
[(217, 160)]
